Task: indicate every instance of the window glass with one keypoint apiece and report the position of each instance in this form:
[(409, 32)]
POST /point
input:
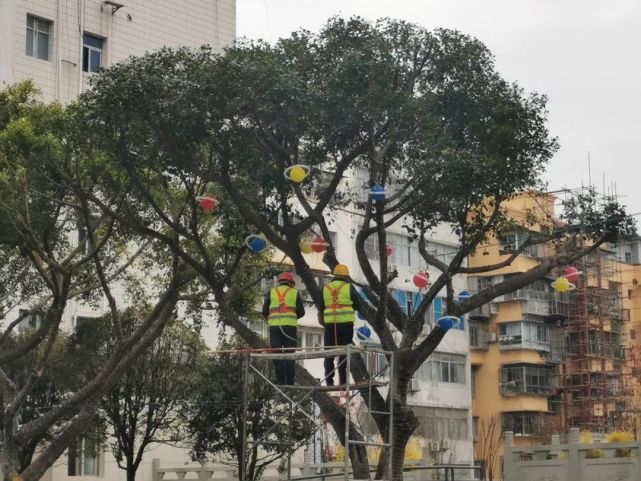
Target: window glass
[(37, 37), (91, 53)]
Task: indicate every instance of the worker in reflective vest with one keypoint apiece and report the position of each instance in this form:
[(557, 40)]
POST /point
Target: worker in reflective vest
[(340, 303), (282, 308)]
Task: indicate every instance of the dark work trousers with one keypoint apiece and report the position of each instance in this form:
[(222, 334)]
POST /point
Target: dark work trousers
[(339, 334), (283, 336)]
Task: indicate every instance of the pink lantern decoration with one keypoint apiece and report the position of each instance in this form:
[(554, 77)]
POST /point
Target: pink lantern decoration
[(389, 251), (421, 279), (571, 274)]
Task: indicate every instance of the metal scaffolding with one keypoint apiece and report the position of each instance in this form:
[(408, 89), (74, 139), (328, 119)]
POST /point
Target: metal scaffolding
[(591, 374), (377, 378)]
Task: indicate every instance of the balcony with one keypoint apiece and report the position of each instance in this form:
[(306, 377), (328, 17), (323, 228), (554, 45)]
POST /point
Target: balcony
[(526, 379), (481, 313), (524, 335), (513, 388), (534, 302)]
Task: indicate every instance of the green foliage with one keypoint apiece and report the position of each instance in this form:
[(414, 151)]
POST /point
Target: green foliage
[(594, 454), (30, 191), (150, 402), (216, 423), (51, 386)]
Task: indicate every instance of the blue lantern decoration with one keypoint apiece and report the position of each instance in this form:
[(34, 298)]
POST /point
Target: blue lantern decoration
[(447, 322), (363, 333), (256, 243), (378, 193), (464, 294)]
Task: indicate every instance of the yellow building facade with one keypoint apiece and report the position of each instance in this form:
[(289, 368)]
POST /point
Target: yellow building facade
[(543, 362)]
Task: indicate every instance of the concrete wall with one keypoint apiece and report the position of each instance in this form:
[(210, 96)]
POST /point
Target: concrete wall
[(572, 462), (8, 9), (138, 27)]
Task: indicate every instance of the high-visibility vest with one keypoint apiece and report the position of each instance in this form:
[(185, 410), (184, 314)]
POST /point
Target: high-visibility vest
[(338, 303), (282, 306)]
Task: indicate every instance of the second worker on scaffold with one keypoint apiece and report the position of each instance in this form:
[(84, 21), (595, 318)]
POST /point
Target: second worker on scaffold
[(340, 303)]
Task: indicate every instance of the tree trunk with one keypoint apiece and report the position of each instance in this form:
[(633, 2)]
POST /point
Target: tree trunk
[(131, 473), (9, 461), (405, 423)]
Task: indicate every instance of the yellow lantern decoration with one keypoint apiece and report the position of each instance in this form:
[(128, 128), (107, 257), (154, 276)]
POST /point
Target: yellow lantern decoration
[(305, 247), (562, 284), (297, 173)]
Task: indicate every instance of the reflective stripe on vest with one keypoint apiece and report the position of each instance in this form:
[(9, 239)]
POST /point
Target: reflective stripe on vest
[(282, 306), (338, 303)]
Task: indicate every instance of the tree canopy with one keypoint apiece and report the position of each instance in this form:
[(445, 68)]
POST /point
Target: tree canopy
[(423, 113)]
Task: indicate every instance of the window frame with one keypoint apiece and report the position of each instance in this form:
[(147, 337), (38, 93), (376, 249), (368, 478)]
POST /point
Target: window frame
[(36, 30), (89, 49), (77, 456)]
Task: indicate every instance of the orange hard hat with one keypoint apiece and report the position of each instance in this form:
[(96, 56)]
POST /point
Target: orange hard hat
[(286, 277)]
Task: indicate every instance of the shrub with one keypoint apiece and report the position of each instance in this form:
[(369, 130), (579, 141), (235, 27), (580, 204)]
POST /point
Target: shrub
[(621, 437)]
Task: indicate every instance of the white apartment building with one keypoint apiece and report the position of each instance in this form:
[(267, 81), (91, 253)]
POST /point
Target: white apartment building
[(60, 43)]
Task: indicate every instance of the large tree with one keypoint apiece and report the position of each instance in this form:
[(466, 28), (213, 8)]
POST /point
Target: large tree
[(421, 112), (46, 266)]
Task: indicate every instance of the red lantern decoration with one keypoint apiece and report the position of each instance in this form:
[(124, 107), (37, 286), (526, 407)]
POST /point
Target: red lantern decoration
[(207, 202), (318, 245), (389, 250), (571, 274), (421, 279)]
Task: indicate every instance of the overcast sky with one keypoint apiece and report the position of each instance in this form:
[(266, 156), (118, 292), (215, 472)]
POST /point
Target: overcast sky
[(585, 55)]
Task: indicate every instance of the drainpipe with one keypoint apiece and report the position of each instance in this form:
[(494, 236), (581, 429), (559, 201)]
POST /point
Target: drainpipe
[(58, 50), (81, 28)]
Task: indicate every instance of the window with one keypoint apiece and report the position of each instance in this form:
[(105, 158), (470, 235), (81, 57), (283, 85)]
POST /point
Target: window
[(524, 335), (478, 335), (38, 37), (628, 257), (81, 321), (91, 53), (512, 241), (30, 320), (523, 423), (526, 379), (442, 367), (309, 338), (442, 423), (83, 457), (475, 371)]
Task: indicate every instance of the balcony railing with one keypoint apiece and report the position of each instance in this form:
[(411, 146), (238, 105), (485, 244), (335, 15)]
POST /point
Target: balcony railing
[(519, 387), (535, 302), (517, 342)]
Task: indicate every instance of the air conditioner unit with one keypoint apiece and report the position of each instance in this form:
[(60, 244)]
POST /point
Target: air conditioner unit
[(446, 444), (414, 385), (491, 337), (434, 446)]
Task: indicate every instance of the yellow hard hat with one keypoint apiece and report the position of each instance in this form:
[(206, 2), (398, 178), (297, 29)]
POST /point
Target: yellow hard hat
[(341, 270)]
